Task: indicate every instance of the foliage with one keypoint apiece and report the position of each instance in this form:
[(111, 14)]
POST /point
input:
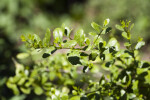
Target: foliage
[(57, 76)]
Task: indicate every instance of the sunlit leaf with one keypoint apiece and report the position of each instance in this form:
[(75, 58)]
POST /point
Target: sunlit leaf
[(106, 22), (58, 35), (95, 26), (80, 37), (139, 44)]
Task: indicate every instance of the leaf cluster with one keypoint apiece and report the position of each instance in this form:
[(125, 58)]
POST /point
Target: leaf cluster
[(128, 78)]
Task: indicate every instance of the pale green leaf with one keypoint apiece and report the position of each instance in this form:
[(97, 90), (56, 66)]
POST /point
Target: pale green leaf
[(139, 44), (119, 27), (95, 26), (46, 40), (80, 37), (106, 22), (125, 35), (38, 90), (58, 35), (69, 44), (25, 90), (22, 55)]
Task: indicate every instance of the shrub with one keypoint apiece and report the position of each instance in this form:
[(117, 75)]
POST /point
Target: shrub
[(122, 75)]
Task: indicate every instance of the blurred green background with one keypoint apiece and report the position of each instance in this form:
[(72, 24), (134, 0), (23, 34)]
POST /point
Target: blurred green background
[(35, 16)]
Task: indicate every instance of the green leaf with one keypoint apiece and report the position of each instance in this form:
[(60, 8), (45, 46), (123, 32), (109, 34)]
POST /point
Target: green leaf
[(145, 65), (139, 45), (104, 31), (108, 29), (22, 81), (85, 69), (93, 56), (101, 46), (23, 38), (74, 92), (147, 78), (69, 44), (25, 90), (22, 55), (119, 27), (108, 64), (132, 25), (37, 38), (75, 98), (83, 54), (80, 37), (113, 43), (13, 87), (127, 44), (87, 40), (84, 98), (111, 49), (47, 86), (74, 60), (48, 52), (124, 34), (123, 23), (45, 55), (106, 22), (67, 30), (64, 97), (46, 40), (95, 26), (135, 86), (38, 90), (102, 57), (58, 35), (92, 33)]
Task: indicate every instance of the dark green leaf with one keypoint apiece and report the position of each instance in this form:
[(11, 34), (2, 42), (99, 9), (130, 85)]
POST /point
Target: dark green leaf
[(108, 29), (102, 80), (67, 30), (145, 65), (74, 60), (93, 56), (100, 45), (102, 57), (112, 49), (83, 54), (85, 69), (45, 55), (108, 64), (84, 98)]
